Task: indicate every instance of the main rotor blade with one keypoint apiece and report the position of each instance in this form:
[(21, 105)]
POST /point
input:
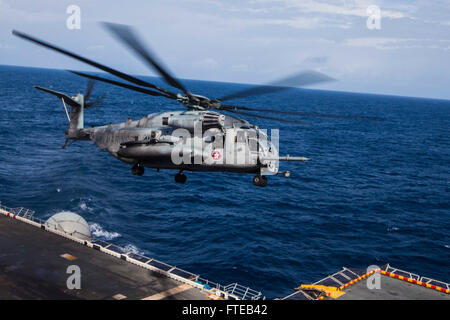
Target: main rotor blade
[(92, 63), (262, 117), (307, 114), (60, 95), (128, 36), (304, 78), (123, 85)]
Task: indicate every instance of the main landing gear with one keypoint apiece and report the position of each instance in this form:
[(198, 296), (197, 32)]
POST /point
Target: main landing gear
[(137, 170), (180, 178), (260, 181)]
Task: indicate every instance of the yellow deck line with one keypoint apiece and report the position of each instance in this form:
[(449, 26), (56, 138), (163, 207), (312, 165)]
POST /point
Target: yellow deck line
[(170, 292)]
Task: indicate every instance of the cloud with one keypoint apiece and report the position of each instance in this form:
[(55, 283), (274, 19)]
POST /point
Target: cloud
[(337, 7), (305, 14), (300, 22), (207, 64), (397, 43), (346, 8), (316, 60), (16, 14)]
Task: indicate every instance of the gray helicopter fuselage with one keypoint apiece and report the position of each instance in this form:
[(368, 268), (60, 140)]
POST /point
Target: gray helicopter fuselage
[(198, 139), (193, 140)]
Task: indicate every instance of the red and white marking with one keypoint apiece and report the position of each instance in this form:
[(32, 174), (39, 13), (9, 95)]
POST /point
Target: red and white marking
[(216, 155)]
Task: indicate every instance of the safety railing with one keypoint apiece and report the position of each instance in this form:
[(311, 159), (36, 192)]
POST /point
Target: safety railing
[(417, 277), (402, 273), (341, 277), (348, 276), (244, 293), (21, 212)]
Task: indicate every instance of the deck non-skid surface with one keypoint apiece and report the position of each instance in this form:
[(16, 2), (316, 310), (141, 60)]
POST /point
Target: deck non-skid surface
[(391, 289), (34, 262)]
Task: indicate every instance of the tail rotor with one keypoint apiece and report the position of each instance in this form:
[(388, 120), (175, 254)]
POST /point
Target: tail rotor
[(97, 101), (77, 105)]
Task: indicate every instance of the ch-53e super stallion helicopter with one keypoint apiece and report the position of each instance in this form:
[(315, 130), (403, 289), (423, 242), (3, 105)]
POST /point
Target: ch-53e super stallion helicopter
[(225, 143)]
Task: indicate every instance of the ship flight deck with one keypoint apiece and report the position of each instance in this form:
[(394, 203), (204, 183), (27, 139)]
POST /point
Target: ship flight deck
[(35, 260)]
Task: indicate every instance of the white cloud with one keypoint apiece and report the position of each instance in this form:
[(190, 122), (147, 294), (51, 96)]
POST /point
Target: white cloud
[(340, 7), (305, 14), (207, 64), (346, 8), (397, 43), (13, 13)]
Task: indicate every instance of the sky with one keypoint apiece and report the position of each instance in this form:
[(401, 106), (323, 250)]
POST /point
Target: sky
[(402, 49)]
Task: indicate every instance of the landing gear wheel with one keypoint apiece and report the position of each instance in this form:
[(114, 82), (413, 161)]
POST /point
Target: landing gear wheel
[(260, 181), (180, 178), (137, 170), (263, 182), (140, 171)]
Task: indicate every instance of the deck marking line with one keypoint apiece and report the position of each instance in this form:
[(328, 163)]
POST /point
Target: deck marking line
[(170, 292), (68, 257), (421, 283)]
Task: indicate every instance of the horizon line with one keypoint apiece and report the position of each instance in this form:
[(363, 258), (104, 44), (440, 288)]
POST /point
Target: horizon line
[(238, 83)]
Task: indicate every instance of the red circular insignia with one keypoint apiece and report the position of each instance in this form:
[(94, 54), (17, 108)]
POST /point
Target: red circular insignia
[(216, 155)]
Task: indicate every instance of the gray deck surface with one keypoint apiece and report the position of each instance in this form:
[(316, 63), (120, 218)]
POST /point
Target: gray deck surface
[(391, 289), (31, 268)]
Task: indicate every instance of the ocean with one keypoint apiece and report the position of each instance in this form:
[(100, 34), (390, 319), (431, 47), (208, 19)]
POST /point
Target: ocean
[(376, 192)]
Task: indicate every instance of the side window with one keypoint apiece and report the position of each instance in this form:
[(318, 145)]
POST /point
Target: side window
[(218, 141), (253, 144), (165, 121), (241, 136)]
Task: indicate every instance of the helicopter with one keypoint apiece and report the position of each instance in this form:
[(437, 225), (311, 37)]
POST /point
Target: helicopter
[(199, 138)]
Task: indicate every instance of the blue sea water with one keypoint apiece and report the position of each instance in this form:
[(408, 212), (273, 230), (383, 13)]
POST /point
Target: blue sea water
[(375, 192)]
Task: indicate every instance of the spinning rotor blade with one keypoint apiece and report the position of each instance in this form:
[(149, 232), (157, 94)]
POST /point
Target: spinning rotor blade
[(262, 117), (90, 87), (128, 36), (123, 85), (97, 102), (306, 114), (301, 79), (92, 63)]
